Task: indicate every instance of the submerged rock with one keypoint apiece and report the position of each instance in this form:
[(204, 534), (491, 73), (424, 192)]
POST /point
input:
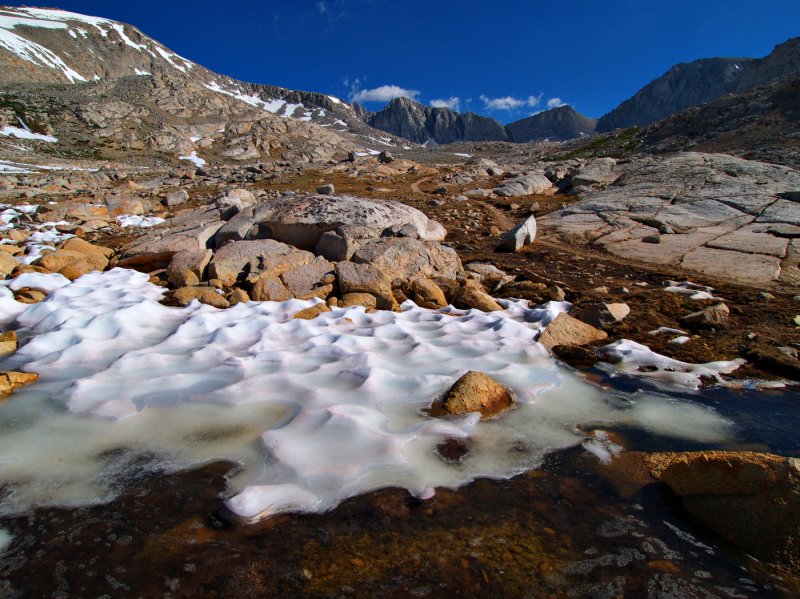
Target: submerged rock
[(750, 499), (476, 392)]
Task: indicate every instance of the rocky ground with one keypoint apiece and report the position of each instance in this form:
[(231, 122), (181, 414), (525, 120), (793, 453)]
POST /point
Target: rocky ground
[(609, 233)]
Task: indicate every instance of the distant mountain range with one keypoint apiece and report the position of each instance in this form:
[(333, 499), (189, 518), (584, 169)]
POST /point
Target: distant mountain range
[(106, 90), (423, 124)]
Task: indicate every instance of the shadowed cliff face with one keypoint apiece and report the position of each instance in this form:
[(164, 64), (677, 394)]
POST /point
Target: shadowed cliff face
[(700, 81), (419, 123)]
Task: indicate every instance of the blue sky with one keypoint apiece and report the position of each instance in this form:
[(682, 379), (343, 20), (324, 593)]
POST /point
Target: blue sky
[(504, 59)]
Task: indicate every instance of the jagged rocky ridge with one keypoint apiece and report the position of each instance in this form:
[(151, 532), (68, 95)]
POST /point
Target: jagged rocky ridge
[(700, 81), (422, 124), (105, 89)]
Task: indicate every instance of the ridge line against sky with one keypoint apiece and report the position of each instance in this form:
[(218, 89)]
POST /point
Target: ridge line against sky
[(506, 60)]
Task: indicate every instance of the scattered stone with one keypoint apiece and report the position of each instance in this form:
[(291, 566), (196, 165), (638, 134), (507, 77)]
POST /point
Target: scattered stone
[(651, 239), (477, 392), (176, 198), (10, 381), (521, 235), (29, 296), (186, 263), (761, 490), (366, 300), (427, 294), (8, 343), (469, 297), (766, 296), (233, 202), (565, 330), (602, 315), (205, 295), (314, 279), (326, 189), (7, 263), (385, 157), (312, 312), (709, 317), (268, 287), (237, 296), (556, 294), (365, 278)]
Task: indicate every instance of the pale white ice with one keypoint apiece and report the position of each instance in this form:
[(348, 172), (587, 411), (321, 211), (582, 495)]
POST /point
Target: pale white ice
[(693, 290), (21, 133), (313, 411), (193, 157), (137, 220)]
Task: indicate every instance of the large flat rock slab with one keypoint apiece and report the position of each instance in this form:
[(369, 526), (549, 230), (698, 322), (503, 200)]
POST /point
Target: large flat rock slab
[(713, 213), (302, 220), (738, 266)]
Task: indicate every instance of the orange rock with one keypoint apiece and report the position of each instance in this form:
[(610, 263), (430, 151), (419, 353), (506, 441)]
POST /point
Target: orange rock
[(477, 392)]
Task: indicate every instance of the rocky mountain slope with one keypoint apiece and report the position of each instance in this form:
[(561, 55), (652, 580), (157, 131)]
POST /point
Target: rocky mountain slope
[(556, 124), (700, 81), (421, 124), (104, 89)]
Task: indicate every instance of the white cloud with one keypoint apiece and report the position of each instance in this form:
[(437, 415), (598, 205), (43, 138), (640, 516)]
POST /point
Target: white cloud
[(510, 102), (555, 103), (322, 8), (453, 103), (384, 93)]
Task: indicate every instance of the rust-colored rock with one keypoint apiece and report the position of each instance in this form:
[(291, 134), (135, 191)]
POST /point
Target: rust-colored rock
[(565, 330), (476, 392), (205, 295), (10, 381), (471, 297), (750, 499), (312, 312), (427, 294), (8, 343)]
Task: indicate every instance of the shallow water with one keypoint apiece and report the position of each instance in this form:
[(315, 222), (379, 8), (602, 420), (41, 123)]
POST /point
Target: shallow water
[(116, 467)]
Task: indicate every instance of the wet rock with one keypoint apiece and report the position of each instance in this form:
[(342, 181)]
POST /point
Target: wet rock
[(565, 330), (326, 189), (521, 235), (774, 359), (476, 392), (8, 343), (712, 316), (601, 315), (205, 295), (10, 381), (575, 355), (469, 297), (750, 499)]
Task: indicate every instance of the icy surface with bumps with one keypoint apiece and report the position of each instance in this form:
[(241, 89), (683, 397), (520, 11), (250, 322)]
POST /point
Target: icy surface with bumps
[(314, 411)]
